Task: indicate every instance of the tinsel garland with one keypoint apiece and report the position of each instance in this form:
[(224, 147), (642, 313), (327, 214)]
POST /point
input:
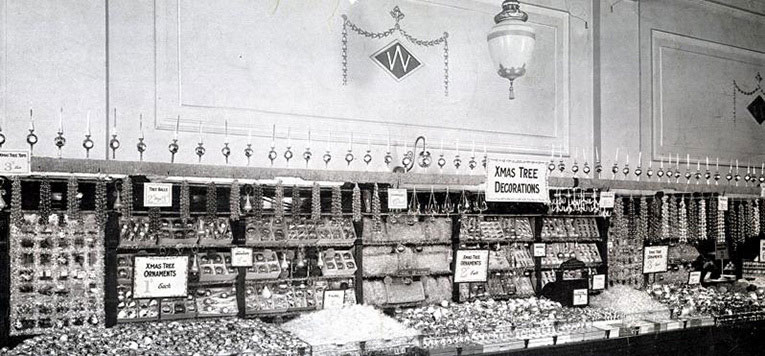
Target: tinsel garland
[(337, 203), (665, 228), (296, 203), (16, 215), (693, 219), (654, 227), (185, 202), (631, 218), (755, 217), (257, 198), (279, 202), (682, 221), (376, 209), (673, 224), (127, 198), (702, 219), (45, 200), (315, 202), (642, 228), (745, 219), (72, 203), (211, 203), (356, 203), (155, 221), (720, 225), (100, 203), (234, 201), (712, 219), (738, 230)]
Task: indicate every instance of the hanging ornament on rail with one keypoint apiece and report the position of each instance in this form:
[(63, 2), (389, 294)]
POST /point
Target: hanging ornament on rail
[(368, 156), (349, 156), (173, 146), (307, 153), (200, 149), (59, 140), (225, 151), (114, 143), (87, 143), (248, 150), (140, 146), (272, 153), (288, 152), (31, 136)]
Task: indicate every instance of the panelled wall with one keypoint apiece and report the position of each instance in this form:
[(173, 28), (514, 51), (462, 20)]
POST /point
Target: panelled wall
[(650, 76)]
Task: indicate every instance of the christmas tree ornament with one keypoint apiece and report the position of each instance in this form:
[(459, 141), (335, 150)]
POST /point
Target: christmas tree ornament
[(140, 146), (173, 146), (248, 151), (200, 150), (225, 151), (114, 143), (60, 141), (87, 143), (31, 136)]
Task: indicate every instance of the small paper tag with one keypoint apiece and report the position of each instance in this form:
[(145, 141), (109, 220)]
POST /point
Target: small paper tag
[(540, 249), (607, 200), (397, 199), (334, 299), (241, 257), (722, 204), (580, 297), (599, 282), (694, 277)]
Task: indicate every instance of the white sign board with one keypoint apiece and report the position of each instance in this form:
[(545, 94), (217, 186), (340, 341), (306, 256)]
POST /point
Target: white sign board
[(241, 257), (694, 277), (516, 181), (540, 249), (599, 282), (722, 204), (160, 276), (607, 200), (762, 250), (397, 199), (14, 162), (157, 194), (655, 259), (580, 297), (471, 266), (334, 299)]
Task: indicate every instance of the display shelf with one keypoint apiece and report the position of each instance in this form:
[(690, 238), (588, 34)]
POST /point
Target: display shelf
[(405, 243), (405, 274), (211, 283), (295, 280), (299, 243)]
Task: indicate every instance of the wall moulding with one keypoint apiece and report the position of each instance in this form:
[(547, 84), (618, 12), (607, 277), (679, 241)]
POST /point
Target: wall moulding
[(238, 69)]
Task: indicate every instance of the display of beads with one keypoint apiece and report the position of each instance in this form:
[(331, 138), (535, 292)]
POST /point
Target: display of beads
[(756, 218), (100, 209), (315, 202), (296, 203), (16, 216), (337, 203), (642, 227), (211, 203), (654, 226), (673, 222), (234, 201), (693, 219), (45, 200), (257, 198), (127, 198), (682, 222), (665, 228), (356, 203), (702, 219), (185, 201), (72, 200), (279, 201), (721, 226), (65, 258)]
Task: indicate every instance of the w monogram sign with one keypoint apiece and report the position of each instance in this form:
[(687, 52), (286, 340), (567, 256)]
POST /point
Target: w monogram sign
[(396, 60)]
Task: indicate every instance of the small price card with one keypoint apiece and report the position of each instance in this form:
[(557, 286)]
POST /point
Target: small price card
[(15, 162), (599, 282), (580, 297), (241, 257), (607, 200), (397, 199), (694, 277), (334, 299), (722, 204), (540, 249), (158, 194)]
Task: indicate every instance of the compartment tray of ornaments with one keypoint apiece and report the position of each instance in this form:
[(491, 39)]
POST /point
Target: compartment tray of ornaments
[(271, 232)]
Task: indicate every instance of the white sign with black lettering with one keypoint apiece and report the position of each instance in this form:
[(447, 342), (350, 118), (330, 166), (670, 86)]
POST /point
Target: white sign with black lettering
[(580, 297), (158, 194), (762, 250), (241, 257), (516, 181), (397, 199), (599, 282), (655, 259), (540, 249), (471, 266), (160, 276), (694, 277), (607, 200), (15, 162), (722, 204), (333, 299)]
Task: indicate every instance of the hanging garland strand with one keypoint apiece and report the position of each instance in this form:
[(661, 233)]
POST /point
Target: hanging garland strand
[(127, 198), (356, 204), (397, 16), (16, 215), (100, 203), (376, 207), (185, 202), (211, 205), (45, 201), (279, 202), (337, 203), (72, 203), (235, 201), (296, 203), (257, 197), (315, 202)]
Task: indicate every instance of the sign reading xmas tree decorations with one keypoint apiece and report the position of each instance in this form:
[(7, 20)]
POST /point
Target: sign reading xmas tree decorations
[(655, 259), (160, 276), (471, 266), (516, 181)]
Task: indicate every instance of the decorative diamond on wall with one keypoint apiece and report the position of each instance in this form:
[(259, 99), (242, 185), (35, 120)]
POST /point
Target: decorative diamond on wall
[(757, 109), (396, 60)]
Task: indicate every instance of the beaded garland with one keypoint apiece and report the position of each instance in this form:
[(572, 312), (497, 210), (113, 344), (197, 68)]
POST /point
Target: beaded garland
[(356, 203), (72, 201), (45, 200), (279, 202), (16, 216), (127, 198), (185, 202), (337, 204), (100, 209), (235, 201), (376, 207), (211, 204), (315, 202), (257, 198)]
